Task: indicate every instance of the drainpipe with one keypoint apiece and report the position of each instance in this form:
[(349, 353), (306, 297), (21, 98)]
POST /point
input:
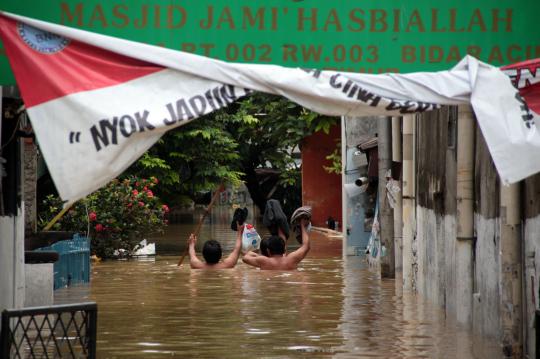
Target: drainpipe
[(464, 221), (343, 193), (408, 200), (386, 215), (511, 304), (398, 216)]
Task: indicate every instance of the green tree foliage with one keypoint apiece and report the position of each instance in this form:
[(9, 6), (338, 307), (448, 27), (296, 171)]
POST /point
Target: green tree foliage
[(116, 216), (253, 140), (335, 159)]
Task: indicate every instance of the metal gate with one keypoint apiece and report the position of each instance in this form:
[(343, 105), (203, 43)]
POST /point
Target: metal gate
[(73, 265), (60, 331)]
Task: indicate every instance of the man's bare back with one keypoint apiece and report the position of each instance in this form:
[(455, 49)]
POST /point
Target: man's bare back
[(229, 262), (281, 261)]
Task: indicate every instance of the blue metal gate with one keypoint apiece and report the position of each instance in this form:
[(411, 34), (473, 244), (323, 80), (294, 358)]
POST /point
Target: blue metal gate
[(73, 265)]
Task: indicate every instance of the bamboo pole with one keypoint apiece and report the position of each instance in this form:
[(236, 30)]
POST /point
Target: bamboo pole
[(464, 220), (408, 201), (201, 220), (58, 216)]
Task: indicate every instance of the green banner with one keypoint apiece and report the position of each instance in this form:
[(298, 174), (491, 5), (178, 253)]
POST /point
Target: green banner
[(359, 36)]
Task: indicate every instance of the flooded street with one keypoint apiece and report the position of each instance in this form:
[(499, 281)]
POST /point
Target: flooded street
[(328, 308)]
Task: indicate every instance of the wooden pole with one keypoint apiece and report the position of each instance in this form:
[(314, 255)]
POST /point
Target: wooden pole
[(203, 216), (398, 208), (465, 197), (408, 201)]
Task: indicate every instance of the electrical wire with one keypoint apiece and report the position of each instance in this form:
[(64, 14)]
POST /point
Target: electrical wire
[(20, 113)]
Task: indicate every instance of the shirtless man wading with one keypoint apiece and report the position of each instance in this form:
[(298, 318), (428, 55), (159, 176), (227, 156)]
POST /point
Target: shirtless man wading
[(212, 253), (277, 259)]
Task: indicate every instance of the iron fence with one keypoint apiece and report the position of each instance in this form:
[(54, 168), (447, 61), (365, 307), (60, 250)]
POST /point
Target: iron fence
[(60, 331)]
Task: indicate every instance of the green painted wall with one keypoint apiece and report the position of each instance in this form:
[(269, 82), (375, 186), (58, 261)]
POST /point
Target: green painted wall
[(361, 36)]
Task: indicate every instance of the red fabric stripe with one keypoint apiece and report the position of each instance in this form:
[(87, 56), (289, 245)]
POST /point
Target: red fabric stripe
[(534, 63), (78, 67), (530, 92)]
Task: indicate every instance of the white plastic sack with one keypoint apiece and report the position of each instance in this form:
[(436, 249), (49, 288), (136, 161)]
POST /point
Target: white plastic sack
[(250, 238)]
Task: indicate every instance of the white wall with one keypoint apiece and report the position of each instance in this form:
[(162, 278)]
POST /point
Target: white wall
[(39, 283), (12, 281), (532, 285)]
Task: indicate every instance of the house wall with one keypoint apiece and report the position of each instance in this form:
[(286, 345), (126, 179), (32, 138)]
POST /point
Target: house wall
[(531, 265), (321, 190), (12, 277), (486, 249), (434, 259)]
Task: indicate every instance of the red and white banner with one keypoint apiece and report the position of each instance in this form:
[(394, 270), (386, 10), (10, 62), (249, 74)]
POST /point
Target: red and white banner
[(526, 78), (97, 102)]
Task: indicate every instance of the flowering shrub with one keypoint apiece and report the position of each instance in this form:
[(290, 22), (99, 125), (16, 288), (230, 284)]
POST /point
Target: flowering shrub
[(118, 215)]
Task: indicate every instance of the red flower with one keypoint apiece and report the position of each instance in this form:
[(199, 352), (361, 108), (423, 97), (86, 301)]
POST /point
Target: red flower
[(99, 227), (141, 204), (135, 192), (136, 184), (92, 216), (145, 188), (149, 194), (155, 180), (129, 205), (165, 208)]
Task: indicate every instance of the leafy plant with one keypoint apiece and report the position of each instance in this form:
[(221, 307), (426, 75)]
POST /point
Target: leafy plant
[(118, 215), (335, 159)]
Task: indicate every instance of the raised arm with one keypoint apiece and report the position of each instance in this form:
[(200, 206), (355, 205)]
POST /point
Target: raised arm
[(194, 262), (231, 260), (253, 259), (301, 252), (282, 235)]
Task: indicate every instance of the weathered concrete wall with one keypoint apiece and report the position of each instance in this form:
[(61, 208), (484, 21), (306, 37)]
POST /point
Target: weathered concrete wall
[(486, 256), (30, 184), (435, 241), (486, 298), (432, 266), (11, 262), (435, 222), (531, 240), (39, 284)]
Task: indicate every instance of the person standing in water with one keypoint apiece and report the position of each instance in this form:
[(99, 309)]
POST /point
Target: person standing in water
[(277, 259), (212, 253)]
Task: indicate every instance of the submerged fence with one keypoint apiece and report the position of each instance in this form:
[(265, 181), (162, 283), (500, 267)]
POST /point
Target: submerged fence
[(60, 331), (73, 265)]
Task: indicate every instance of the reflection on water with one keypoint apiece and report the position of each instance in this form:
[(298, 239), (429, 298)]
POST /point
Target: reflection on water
[(328, 308)]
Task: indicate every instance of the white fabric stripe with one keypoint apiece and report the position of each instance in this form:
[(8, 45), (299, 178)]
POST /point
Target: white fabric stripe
[(77, 168)]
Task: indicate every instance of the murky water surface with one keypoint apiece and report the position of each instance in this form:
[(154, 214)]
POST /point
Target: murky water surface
[(328, 308)]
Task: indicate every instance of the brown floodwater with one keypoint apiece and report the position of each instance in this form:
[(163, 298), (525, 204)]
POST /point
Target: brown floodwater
[(330, 307)]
